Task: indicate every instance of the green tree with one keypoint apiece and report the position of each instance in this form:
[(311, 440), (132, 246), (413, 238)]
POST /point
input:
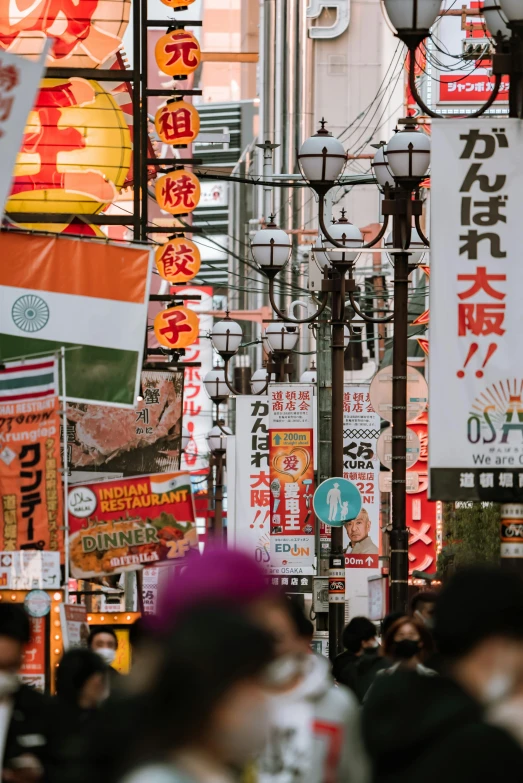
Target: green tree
[(471, 534)]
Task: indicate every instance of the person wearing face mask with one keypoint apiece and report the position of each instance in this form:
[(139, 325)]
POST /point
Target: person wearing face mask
[(435, 729), (406, 645), (423, 606), (82, 684), (26, 730), (104, 642), (315, 726), (205, 717), (362, 660)]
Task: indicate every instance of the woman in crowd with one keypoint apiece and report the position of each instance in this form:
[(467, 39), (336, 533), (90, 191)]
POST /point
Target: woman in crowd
[(206, 714), (407, 644)]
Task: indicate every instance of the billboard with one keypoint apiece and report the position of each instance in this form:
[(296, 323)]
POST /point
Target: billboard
[(476, 369), (130, 523)]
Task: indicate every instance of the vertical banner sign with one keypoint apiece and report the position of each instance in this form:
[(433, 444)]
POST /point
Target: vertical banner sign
[(197, 405), (32, 671), (476, 364), (421, 512), (30, 480), (361, 465), (253, 478), (19, 82), (291, 460)]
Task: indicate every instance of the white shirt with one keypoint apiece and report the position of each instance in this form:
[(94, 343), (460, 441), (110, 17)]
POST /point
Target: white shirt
[(6, 710)]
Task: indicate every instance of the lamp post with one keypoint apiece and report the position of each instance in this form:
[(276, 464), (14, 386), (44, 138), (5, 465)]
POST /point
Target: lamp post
[(217, 441)]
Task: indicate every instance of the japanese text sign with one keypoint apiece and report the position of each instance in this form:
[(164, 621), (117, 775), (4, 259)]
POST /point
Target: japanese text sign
[(361, 430), (178, 260), (253, 478), (476, 365), (421, 512), (291, 460), (30, 480), (177, 122), (127, 524), (178, 192), (177, 53), (176, 327)]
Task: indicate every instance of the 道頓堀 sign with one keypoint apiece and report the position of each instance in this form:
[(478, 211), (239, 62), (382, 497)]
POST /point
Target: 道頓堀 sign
[(291, 461), (476, 365)]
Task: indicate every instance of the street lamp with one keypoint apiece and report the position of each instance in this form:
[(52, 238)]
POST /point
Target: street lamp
[(217, 441), (322, 159), (216, 386)]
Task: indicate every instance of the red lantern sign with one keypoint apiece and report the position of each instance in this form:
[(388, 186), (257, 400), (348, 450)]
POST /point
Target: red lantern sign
[(178, 53), (176, 327), (177, 123), (178, 192), (178, 260)]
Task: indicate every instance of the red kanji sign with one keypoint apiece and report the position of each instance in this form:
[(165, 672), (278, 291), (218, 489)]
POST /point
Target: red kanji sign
[(178, 53), (177, 123), (178, 192), (178, 260), (176, 327)]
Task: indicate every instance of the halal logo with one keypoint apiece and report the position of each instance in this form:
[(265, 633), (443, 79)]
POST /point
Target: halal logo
[(30, 313)]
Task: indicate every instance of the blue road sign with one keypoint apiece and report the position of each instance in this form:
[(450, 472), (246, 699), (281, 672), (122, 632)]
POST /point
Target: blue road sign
[(336, 501)]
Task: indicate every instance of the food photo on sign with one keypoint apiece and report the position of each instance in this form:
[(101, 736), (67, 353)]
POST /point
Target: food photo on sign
[(128, 524), (141, 441)]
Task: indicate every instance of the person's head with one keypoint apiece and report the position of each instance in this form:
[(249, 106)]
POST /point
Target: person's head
[(407, 641), (81, 679), (478, 627), (423, 605), (103, 641), (15, 633), (389, 620), (359, 528), (210, 696), (359, 635), (304, 627)]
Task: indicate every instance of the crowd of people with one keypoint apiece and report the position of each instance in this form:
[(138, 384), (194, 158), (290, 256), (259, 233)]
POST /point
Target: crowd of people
[(224, 688)]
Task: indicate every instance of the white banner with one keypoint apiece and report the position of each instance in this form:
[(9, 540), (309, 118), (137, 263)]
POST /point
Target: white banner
[(476, 317), (19, 83), (252, 495), (361, 430)]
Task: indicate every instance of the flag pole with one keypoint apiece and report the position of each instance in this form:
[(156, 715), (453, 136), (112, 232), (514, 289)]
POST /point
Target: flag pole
[(65, 476)]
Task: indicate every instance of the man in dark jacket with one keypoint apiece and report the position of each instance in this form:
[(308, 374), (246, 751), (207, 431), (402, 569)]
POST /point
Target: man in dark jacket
[(433, 729), (25, 745)]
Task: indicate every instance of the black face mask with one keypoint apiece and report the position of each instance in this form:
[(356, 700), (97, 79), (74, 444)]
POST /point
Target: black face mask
[(406, 649)]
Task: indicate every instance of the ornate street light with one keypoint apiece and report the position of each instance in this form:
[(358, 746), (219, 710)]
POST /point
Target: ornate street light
[(271, 248), (412, 19), (226, 337), (216, 385), (322, 159), (496, 21), (217, 438)]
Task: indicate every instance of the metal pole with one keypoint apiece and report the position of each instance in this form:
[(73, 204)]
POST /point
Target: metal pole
[(218, 497), (65, 475), (337, 564), (142, 8), (399, 538), (137, 34)]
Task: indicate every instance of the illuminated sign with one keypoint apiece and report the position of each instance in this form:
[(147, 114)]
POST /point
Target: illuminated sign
[(178, 53), (177, 123), (178, 260), (178, 192), (176, 327)]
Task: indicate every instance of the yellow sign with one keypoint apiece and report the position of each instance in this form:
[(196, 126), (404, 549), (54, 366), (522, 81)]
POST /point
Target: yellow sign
[(178, 53), (294, 438), (176, 327), (177, 123), (178, 260), (178, 192), (75, 153)]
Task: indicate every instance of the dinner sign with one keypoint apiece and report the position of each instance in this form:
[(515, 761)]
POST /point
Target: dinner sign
[(130, 523)]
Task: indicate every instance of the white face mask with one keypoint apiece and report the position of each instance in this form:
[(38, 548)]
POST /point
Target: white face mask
[(107, 654), (9, 684), (284, 670)]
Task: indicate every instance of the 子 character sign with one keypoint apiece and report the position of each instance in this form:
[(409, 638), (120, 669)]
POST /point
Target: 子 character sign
[(176, 327)]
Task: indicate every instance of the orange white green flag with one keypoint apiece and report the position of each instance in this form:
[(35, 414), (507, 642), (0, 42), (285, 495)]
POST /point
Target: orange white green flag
[(86, 296)]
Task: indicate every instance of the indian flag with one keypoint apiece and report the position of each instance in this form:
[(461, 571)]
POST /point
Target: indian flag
[(86, 296), (168, 482), (28, 380)]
